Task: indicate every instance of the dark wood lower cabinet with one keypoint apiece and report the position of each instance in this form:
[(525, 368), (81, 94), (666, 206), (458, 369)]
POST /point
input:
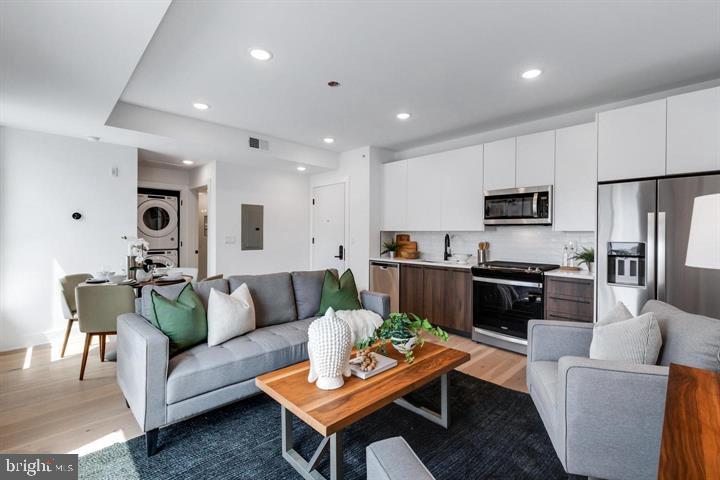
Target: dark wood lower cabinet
[(570, 299), (442, 295)]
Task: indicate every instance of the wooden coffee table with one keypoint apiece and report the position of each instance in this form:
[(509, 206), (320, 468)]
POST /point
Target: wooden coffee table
[(329, 412)]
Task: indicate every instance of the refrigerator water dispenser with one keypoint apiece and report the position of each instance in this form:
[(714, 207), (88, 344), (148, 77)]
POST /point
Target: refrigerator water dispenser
[(626, 264)]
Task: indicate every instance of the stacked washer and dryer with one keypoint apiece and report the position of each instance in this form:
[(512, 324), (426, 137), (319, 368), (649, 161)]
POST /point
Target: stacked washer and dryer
[(159, 223)]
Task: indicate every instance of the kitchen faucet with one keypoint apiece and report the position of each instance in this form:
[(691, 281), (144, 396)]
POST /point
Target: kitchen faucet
[(448, 251)]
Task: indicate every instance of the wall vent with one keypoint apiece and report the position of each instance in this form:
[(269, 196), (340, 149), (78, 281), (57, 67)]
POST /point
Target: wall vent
[(258, 144)]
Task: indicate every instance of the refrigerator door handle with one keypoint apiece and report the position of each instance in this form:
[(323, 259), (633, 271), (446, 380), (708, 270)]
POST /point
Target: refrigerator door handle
[(661, 257), (651, 256)]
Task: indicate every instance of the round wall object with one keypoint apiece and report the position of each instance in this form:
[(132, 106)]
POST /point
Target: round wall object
[(76, 215)]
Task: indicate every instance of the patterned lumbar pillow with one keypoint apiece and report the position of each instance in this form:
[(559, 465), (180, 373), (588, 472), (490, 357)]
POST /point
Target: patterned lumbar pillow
[(182, 320), (636, 340), (339, 293), (230, 316)]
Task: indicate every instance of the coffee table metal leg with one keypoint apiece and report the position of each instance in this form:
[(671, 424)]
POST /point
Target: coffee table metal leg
[(442, 418), (304, 467)]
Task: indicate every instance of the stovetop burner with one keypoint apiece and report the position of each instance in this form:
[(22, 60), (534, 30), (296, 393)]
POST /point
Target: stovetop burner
[(517, 266)]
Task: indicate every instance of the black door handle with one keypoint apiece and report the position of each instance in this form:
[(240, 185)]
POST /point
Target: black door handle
[(341, 253)]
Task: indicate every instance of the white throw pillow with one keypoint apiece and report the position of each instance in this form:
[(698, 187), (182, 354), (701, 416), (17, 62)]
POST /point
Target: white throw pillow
[(636, 340), (616, 314), (229, 316), (363, 323)]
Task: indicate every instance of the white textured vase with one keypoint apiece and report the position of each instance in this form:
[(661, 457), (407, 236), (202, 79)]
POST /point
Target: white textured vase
[(329, 347)]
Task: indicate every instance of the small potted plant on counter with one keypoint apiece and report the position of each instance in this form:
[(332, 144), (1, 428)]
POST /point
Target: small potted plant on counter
[(390, 248), (586, 256), (404, 332)]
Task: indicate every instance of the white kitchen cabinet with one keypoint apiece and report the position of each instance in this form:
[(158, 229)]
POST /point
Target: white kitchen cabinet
[(395, 195), (535, 160), (631, 141), (461, 195), (499, 164), (424, 179), (693, 132), (575, 191)]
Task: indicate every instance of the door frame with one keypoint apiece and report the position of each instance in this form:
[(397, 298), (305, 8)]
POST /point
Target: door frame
[(346, 184)]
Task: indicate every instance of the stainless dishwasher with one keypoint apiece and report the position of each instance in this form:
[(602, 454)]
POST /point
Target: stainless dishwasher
[(385, 278)]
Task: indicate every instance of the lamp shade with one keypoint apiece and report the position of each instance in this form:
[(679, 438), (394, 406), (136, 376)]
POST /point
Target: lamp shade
[(704, 242)]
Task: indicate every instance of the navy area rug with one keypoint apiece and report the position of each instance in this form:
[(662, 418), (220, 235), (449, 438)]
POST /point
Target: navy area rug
[(494, 433)]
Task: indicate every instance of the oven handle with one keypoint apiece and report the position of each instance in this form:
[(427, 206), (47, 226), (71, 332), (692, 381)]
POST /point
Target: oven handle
[(507, 282), (535, 205)]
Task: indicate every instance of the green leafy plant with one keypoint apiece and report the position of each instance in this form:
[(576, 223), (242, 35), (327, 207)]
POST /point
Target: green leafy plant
[(391, 246), (586, 255), (404, 332)]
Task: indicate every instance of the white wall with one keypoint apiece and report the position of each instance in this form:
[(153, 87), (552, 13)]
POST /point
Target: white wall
[(360, 168), (286, 201), (154, 173), (43, 180)]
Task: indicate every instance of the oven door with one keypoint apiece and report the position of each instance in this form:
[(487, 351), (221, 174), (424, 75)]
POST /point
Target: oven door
[(505, 306)]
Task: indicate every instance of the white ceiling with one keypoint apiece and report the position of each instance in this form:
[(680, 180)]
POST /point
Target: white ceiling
[(454, 65)]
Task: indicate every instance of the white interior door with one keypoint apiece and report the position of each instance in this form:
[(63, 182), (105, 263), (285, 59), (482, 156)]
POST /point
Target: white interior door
[(328, 233)]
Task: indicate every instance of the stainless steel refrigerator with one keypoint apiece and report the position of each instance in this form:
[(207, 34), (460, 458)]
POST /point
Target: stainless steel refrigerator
[(642, 237)]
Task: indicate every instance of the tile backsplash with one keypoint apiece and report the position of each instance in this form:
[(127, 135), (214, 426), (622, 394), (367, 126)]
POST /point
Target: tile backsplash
[(538, 244)]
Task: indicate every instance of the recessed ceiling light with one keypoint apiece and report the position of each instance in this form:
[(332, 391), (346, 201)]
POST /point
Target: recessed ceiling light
[(260, 54), (301, 168), (403, 116), (532, 73), (188, 162), (328, 140), (201, 106)]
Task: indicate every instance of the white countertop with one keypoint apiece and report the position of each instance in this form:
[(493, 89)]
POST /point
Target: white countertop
[(422, 261), (582, 274)]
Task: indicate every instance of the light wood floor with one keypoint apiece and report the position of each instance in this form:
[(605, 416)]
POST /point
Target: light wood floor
[(44, 408)]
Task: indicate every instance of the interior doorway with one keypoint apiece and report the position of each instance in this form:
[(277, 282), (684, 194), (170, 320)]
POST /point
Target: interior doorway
[(328, 227), (201, 228)]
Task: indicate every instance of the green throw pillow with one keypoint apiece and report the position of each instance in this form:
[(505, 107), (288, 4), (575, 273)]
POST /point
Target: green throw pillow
[(340, 294), (182, 320)]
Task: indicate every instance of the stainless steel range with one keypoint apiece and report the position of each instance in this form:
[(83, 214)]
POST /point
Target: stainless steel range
[(506, 295)]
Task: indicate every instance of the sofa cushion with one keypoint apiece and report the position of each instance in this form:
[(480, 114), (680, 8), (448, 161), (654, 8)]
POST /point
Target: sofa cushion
[(172, 291), (182, 319), (203, 369), (636, 340), (229, 316), (272, 295), (688, 339), (339, 293), (393, 459), (307, 287)]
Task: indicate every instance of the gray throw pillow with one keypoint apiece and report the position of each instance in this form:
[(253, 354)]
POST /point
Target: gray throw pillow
[(636, 340), (616, 314)]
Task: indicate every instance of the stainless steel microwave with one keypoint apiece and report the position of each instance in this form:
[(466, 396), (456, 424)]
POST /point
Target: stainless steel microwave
[(519, 206)]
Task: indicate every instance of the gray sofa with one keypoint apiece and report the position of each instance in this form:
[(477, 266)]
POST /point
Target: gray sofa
[(605, 418), (161, 390)]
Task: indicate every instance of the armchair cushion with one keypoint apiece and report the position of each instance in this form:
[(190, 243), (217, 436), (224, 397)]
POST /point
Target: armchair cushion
[(688, 339)]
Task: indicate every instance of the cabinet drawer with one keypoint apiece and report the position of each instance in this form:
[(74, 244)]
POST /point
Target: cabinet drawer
[(579, 308), (567, 317), (569, 288)]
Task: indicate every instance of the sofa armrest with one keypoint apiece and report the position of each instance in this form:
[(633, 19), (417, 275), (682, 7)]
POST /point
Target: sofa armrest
[(548, 340), (142, 366), (610, 417), (393, 459), (376, 302)]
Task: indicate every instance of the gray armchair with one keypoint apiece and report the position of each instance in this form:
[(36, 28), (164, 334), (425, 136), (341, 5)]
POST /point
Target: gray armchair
[(605, 418)]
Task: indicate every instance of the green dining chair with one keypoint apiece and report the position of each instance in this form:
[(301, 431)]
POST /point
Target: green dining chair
[(67, 287), (98, 307)]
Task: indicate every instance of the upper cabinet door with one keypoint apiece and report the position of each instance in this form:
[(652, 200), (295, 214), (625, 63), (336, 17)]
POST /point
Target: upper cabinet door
[(535, 159), (575, 178), (693, 132), (462, 195), (424, 204), (500, 164), (631, 142), (395, 194)]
